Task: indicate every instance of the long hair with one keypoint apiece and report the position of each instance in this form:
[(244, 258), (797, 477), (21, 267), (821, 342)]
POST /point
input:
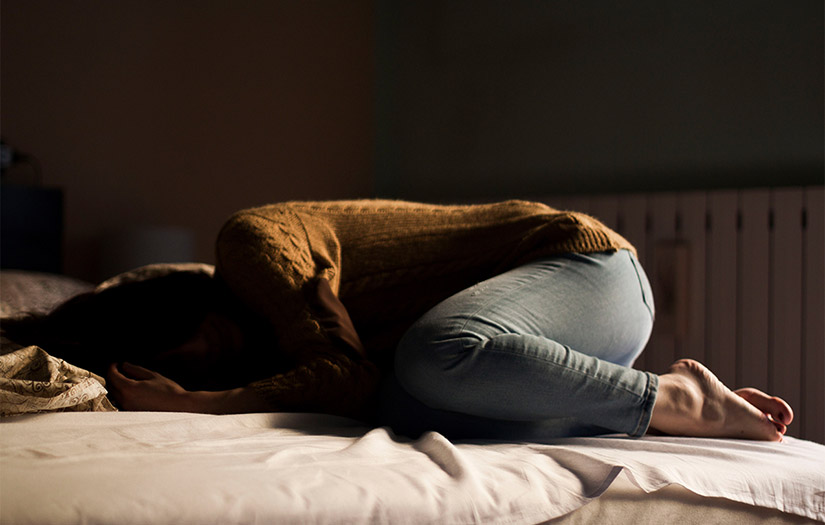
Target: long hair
[(129, 321)]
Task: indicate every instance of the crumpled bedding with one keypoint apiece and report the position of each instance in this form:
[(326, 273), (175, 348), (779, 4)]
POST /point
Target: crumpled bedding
[(33, 381), (130, 467)]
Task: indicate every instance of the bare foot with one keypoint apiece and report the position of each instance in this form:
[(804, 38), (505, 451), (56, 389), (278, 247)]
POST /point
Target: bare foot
[(693, 402)]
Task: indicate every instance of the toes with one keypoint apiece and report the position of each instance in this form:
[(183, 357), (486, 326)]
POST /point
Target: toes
[(779, 412), (752, 423), (779, 426)]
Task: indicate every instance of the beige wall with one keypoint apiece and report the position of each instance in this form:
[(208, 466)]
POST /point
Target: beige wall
[(150, 112)]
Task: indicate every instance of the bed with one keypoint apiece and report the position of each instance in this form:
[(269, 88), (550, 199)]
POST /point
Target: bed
[(69, 457)]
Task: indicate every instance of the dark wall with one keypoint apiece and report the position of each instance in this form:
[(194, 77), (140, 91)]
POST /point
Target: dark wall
[(150, 113), (488, 98), (176, 113)]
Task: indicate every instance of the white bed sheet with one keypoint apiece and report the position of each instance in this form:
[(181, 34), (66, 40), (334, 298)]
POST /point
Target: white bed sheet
[(136, 467)]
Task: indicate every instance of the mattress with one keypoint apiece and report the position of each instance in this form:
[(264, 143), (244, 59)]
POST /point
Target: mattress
[(116, 467), (146, 467)]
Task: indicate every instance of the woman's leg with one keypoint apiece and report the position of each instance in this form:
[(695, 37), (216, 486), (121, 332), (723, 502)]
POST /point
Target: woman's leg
[(546, 345)]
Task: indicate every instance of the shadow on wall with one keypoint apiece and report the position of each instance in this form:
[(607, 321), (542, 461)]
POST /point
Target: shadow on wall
[(178, 113), (486, 99)]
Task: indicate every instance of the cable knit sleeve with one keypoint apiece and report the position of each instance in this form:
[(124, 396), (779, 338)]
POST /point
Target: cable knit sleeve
[(285, 266)]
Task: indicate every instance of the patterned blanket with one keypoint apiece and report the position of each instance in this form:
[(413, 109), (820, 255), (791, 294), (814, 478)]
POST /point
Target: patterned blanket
[(33, 381)]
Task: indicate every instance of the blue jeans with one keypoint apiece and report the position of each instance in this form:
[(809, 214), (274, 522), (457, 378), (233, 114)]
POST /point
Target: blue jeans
[(541, 351)]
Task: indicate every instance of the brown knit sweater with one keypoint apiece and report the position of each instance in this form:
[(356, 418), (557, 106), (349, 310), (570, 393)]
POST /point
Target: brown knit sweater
[(388, 262)]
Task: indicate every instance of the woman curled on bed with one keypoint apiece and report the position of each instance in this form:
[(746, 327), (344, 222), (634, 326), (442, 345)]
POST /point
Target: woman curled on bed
[(506, 320)]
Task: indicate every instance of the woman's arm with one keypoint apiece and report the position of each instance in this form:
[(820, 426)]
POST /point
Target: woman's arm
[(285, 266), (136, 388), (334, 378)]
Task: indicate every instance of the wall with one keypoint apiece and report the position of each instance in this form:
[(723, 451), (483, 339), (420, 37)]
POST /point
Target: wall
[(490, 99), (152, 113), (155, 113)]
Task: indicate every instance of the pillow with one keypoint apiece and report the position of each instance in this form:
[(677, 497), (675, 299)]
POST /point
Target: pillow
[(35, 292)]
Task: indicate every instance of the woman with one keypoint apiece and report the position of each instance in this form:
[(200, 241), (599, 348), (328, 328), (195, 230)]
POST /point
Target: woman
[(508, 320)]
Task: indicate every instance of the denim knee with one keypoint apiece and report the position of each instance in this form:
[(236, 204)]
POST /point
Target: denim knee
[(426, 354)]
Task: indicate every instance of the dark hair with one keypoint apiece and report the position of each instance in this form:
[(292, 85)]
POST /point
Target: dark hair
[(131, 321)]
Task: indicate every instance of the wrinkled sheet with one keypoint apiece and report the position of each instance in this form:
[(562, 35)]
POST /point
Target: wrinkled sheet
[(124, 468)]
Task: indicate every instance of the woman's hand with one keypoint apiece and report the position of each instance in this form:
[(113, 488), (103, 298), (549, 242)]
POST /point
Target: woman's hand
[(138, 388)]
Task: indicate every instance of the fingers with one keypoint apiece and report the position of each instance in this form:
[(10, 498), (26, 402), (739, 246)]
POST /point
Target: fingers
[(130, 375), (115, 382), (138, 388), (777, 410), (127, 372), (137, 372)]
